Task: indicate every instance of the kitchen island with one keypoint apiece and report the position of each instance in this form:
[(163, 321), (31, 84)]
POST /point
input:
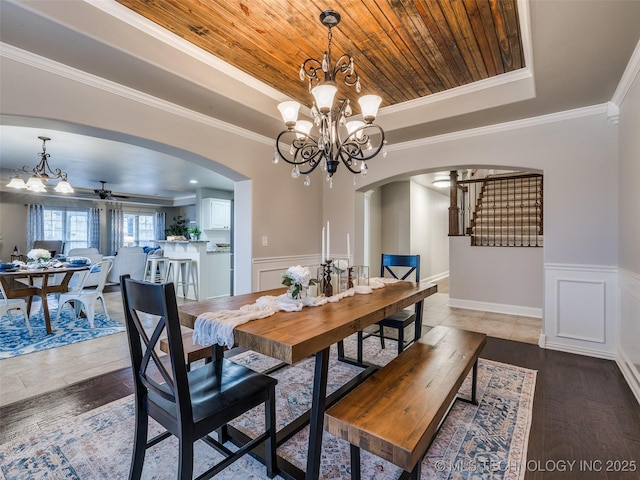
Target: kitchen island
[(214, 268)]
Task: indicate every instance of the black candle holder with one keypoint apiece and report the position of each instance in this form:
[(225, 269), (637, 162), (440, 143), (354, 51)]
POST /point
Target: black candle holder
[(350, 277), (327, 288)]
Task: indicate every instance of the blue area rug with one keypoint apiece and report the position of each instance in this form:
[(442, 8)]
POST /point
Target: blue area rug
[(475, 442), (15, 339)]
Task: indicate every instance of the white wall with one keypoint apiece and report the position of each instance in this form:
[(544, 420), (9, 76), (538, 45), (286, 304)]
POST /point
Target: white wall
[(375, 231), (396, 220), (629, 241), (430, 231)]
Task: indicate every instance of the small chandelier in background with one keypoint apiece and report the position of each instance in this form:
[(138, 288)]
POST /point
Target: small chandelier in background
[(40, 174), (352, 143)]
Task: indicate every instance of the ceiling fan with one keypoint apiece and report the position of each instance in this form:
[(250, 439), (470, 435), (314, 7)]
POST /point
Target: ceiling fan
[(105, 194)]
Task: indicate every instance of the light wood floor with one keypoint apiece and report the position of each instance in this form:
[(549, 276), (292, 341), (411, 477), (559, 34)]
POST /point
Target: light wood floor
[(30, 375)]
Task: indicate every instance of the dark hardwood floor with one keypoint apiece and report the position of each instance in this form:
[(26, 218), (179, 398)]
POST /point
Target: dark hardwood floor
[(586, 421)]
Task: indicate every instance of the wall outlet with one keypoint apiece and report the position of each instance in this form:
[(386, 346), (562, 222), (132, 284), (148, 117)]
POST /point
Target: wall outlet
[(265, 241)]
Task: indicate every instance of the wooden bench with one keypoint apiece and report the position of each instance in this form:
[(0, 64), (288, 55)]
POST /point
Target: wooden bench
[(192, 353), (396, 412)]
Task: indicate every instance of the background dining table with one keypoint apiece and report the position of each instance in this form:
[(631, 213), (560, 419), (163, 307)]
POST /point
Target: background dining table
[(293, 336), (15, 288)]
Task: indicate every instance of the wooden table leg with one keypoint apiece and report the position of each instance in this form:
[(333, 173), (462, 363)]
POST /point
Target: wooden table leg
[(316, 422), (45, 304)]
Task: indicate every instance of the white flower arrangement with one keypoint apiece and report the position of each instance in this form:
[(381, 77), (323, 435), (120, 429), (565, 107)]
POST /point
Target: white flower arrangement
[(297, 278), (39, 254)]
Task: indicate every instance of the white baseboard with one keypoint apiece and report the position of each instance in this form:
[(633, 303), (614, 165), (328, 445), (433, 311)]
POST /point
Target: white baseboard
[(496, 307), (579, 350), (542, 341), (630, 373), (435, 278)]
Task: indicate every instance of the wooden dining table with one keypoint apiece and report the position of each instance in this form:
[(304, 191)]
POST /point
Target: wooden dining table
[(294, 336), (15, 288)]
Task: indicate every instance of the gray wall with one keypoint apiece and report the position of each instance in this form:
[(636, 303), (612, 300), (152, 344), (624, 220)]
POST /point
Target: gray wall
[(430, 230), (413, 220), (507, 279)]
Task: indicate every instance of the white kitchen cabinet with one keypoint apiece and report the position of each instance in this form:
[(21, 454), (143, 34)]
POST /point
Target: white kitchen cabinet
[(214, 268), (216, 214)]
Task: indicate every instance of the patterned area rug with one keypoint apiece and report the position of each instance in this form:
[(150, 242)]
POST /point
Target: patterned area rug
[(488, 440), (15, 339)]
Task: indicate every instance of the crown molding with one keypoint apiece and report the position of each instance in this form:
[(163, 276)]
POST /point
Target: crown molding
[(167, 37), (502, 127), (628, 77), (71, 73), (476, 87)]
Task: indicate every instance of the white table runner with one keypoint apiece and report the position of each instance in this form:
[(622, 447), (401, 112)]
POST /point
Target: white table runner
[(217, 327)]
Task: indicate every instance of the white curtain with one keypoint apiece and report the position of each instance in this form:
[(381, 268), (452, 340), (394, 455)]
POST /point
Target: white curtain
[(35, 224), (93, 220), (159, 226), (116, 239)]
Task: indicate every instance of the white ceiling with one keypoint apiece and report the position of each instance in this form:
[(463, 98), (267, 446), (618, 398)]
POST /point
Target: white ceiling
[(577, 53)]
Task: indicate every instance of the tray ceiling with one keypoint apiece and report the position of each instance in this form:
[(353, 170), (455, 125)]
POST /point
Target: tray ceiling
[(402, 50)]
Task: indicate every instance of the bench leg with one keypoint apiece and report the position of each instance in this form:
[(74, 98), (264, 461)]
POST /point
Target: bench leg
[(355, 462), (340, 350), (474, 387), (474, 383), (415, 473)]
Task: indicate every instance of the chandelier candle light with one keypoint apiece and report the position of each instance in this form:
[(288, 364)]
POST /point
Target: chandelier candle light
[(41, 174), (336, 140)]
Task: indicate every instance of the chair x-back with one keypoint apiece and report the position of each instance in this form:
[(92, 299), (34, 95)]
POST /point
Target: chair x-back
[(401, 267), (190, 405)]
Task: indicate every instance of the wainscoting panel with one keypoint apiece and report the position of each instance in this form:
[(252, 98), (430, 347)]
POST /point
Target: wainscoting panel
[(580, 310), (628, 357), (267, 272)]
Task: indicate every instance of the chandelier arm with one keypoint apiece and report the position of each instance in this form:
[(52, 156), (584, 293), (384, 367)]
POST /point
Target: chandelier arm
[(310, 69), (352, 139), (348, 161), (306, 151), (344, 66)]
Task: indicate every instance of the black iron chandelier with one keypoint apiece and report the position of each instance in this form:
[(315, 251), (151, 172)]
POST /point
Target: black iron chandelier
[(41, 174), (336, 140)]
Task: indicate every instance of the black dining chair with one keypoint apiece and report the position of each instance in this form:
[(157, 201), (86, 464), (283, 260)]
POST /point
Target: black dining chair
[(189, 405), (401, 267)]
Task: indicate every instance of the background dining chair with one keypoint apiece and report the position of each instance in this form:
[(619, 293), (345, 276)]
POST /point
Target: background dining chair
[(9, 304), (87, 298), (189, 405), (54, 246), (401, 267)]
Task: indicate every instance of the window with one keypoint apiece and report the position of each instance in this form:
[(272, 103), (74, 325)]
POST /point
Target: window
[(71, 226), (141, 227)]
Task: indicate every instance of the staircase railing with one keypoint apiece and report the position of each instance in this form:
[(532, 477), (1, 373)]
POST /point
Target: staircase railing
[(499, 211)]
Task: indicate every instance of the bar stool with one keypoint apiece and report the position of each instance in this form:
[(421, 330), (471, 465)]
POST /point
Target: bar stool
[(183, 272), (155, 270)]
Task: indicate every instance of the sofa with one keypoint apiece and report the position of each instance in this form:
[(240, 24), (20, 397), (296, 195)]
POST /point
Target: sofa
[(91, 253), (128, 260)]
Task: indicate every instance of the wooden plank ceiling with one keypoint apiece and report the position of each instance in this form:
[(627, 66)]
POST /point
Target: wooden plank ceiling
[(403, 50)]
